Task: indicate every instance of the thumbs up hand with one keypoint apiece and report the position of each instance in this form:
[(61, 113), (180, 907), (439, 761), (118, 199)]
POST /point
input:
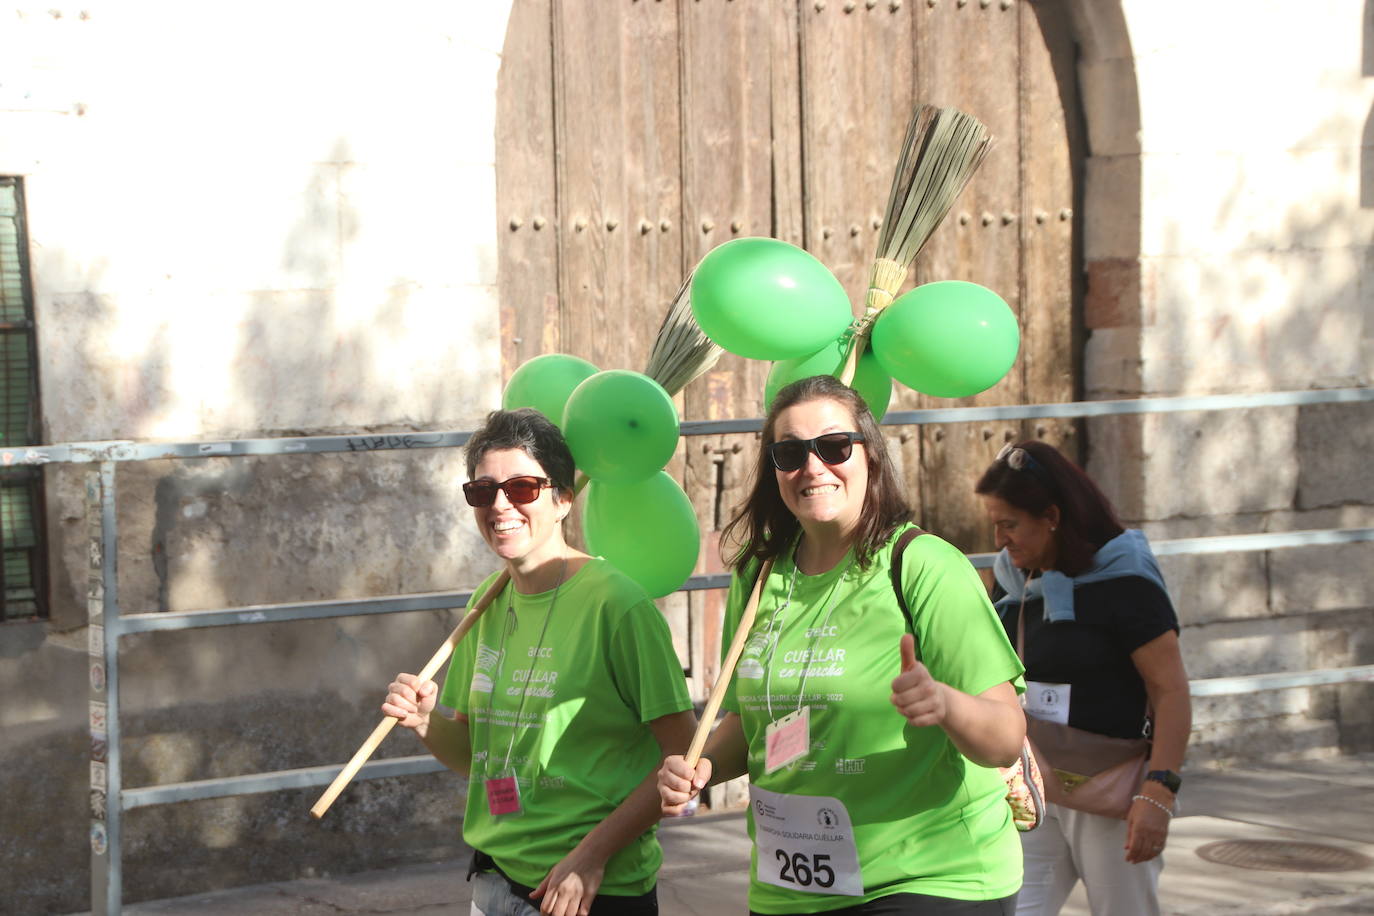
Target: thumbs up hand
[(917, 695)]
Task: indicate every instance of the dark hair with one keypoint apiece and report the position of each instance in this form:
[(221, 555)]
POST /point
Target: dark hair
[(532, 433), (1086, 517), (765, 526)]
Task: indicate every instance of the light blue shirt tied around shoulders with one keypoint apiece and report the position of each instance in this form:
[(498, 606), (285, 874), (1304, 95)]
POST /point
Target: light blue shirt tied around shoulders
[(1127, 554)]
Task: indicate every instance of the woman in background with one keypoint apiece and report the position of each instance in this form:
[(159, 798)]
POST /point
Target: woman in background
[(1101, 648)]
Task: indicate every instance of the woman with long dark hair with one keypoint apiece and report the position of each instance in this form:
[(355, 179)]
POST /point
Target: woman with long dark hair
[(870, 731), (565, 697), (1101, 651)]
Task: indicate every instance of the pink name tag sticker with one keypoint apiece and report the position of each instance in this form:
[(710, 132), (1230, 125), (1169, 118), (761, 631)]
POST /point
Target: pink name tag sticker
[(503, 796), (787, 739)]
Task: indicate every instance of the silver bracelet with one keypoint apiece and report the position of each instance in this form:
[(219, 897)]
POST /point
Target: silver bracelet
[(1160, 805)]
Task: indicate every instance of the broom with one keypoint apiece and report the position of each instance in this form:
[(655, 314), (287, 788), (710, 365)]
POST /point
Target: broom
[(942, 150), (681, 352)]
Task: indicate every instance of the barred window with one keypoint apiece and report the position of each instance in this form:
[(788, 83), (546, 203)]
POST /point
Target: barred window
[(23, 591)]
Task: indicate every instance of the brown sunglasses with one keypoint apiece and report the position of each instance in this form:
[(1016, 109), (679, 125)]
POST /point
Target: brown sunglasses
[(519, 490)]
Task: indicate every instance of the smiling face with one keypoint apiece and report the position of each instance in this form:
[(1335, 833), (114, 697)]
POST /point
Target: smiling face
[(526, 535), (820, 494), (1028, 539)]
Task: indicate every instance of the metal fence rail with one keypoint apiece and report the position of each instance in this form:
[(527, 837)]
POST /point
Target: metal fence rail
[(109, 799)]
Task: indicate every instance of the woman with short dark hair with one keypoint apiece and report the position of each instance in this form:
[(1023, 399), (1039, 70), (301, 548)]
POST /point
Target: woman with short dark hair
[(565, 697), (1101, 651), (869, 710)]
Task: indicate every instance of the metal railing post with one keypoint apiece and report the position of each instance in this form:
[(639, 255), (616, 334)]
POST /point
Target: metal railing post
[(102, 608)]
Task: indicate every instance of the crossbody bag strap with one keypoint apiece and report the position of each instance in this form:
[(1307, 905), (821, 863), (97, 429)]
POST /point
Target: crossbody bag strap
[(1021, 622), (898, 548)]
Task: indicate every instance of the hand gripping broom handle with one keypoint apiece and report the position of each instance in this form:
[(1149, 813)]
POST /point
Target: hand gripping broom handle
[(727, 669), (388, 723)]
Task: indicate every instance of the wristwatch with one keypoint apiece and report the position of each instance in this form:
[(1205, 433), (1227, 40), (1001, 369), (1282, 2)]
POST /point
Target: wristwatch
[(1167, 778)]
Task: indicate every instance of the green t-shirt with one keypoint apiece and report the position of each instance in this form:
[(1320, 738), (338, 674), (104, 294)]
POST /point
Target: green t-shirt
[(604, 669), (925, 819)]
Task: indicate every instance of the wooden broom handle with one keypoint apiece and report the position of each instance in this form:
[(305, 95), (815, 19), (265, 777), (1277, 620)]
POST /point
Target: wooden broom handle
[(727, 668), (385, 726)]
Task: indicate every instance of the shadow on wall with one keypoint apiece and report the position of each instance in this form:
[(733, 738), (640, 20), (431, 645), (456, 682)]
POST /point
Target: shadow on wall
[(295, 528), (305, 527), (106, 371), (1367, 144)]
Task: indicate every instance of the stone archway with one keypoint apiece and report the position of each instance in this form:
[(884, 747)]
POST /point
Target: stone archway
[(1111, 202)]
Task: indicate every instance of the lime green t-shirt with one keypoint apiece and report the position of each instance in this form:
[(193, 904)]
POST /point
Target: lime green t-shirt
[(925, 819), (603, 670)]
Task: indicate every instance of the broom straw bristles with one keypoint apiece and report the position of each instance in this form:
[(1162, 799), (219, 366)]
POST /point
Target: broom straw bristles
[(942, 149), (682, 351)]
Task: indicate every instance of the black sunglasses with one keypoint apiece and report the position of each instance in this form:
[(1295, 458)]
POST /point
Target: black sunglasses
[(832, 448), (519, 490)]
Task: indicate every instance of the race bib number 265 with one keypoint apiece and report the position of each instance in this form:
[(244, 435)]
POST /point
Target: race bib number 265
[(805, 843)]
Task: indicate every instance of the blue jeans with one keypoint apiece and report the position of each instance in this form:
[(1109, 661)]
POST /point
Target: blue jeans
[(492, 895)]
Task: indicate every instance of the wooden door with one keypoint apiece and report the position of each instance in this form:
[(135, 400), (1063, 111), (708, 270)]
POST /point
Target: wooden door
[(635, 135)]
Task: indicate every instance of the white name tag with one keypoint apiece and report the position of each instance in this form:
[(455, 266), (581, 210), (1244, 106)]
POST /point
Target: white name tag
[(1049, 702), (787, 739), (805, 843)]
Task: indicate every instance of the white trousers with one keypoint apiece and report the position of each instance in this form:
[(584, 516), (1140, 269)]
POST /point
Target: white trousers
[(1070, 846)]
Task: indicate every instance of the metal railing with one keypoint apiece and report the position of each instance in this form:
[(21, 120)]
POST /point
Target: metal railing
[(109, 799)]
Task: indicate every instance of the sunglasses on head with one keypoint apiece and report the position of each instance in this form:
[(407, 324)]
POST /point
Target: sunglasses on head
[(1018, 459), (832, 448), (519, 490)]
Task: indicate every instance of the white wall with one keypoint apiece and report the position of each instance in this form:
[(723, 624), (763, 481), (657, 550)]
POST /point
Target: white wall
[(257, 216), (1253, 234)]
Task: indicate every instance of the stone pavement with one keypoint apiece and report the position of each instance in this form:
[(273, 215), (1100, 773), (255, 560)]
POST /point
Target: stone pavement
[(1328, 802)]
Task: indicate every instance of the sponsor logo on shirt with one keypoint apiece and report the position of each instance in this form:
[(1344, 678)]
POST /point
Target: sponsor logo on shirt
[(749, 665)]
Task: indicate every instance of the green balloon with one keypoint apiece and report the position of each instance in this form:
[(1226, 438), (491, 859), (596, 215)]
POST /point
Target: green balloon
[(646, 529), (620, 425), (766, 299), (873, 384), (545, 382), (948, 339)]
